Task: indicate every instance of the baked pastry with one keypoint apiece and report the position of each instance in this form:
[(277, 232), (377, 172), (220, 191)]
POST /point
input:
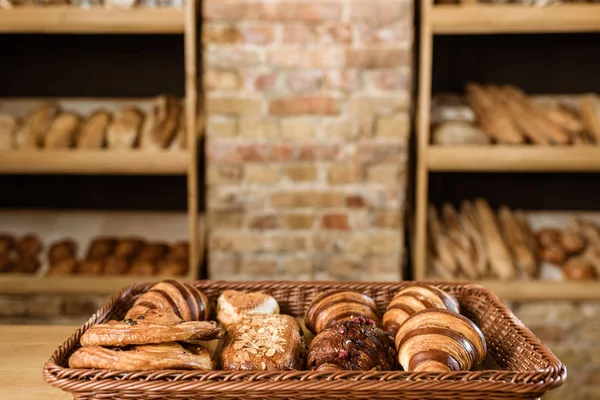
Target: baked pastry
[(187, 302), (64, 266), (547, 237), (233, 305), (9, 126), (152, 252), (180, 140), (141, 358), (100, 248), (29, 246), (123, 132), (142, 268), (171, 268), (90, 267), (62, 131), (357, 344), (578, 269), (439, 341), (93, 130), (160, 125), (333, 306), (179, 251), (32, 132), (412, 299), (7, 243), (114, 265), (6, 262), (128, 248), (61, 250), (264, 343), (25, 264)]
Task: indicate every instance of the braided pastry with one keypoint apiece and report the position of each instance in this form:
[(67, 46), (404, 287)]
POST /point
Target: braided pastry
[(187, 302), (356, 344), (439, 341), (412, 299), (333, 306)]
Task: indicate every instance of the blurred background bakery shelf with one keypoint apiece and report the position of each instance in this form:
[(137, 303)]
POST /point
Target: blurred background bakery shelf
[(72, 19), (82, 228), (450, 19), (518, 158)]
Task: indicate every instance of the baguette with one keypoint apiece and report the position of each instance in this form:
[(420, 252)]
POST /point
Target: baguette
[(464, 250), (589, 109), (516, 241), (123, 132), (61, 134), (9, 125), (161, 123), (93, 131), (441, 243), (32, 132), (472, 227), (498, 254)]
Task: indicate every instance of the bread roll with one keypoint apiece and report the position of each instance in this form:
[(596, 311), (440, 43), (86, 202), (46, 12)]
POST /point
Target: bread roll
[(160, 125), (123, 132), (333, 306), (128, 248), (25, 265), (263, 343), (439, 341), (9, 125), (179, 251), (64, 266), (578, 269), (152, 252), (7, 261), (356, 344), (62, 132), (142, 268), (415, 298), (32, 132), (93, 130), (29, 246), (171, 268), (7, 243), (61, 250), (113, 265), (233, 305), (100, 248), (90, 267), (459, 133)]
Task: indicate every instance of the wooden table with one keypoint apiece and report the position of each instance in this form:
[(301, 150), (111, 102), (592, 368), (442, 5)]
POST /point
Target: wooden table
[(23, 352)]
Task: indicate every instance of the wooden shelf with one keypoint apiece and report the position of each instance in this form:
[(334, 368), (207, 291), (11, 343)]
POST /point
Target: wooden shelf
[(514, 158), (94, 162), (490, 19), (70, 19)]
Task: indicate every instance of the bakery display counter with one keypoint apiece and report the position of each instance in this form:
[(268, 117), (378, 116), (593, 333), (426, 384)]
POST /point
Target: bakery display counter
[(92, 252), (461, 19), (71, 19)]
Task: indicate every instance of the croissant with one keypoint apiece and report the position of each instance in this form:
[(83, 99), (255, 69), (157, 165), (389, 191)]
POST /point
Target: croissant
[(356, 344), (187, 302), (412, 299), (439, 341), (333, 306)]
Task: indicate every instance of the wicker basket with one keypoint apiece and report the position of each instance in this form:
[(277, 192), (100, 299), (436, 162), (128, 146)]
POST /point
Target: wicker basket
[(528, 368)]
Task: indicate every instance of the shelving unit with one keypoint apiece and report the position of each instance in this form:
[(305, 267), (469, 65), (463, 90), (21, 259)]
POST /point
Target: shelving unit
[(495, 19), (100, 20)]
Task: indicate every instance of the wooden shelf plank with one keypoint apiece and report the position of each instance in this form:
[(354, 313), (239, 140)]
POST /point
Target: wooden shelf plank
[(513, 18), (135, 162), (70, 19), (544, 290), (514, 158), (69, 284)]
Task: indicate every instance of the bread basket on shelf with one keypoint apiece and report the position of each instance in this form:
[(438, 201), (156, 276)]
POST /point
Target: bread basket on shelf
[(526, 368)]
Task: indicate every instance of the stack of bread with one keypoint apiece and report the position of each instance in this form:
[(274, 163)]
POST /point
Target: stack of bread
[(421, 330), (51, 127), (506, 115)]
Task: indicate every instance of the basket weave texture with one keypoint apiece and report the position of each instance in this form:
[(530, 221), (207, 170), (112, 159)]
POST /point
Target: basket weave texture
[(528, 368)]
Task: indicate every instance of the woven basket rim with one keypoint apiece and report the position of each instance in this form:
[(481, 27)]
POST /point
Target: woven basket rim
[(534, 381)]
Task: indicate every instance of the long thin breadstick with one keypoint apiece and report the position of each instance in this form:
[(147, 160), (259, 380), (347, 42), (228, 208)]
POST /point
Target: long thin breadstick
[(516, 242), (472, 227), (441, 243), (463, 247)]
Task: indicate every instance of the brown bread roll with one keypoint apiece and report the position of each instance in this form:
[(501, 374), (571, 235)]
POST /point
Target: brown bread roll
[(234, 305), (552, 254), (263, 343), (61, 134), (63, 266), (572, 241), (113, 265), (333, 306), (7, 262), (578, 269), (547, 237), (179, 251), (61, 250), (100, 248), (90, 267), (29, 246), (25, 265), (171, 268), (356, 344), (142, 268), (128, 248), (152, 252), (183, 299), (160, 125), (123, 132), (93, 130), (9, 125), (7, 243), (412, 299), (439, 341), (32, 132)]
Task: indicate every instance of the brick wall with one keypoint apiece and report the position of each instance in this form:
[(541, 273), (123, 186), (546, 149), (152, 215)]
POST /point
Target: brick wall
[(307, 107)]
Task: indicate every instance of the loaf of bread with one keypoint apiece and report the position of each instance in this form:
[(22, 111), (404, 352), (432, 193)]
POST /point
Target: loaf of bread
[(63, 266), (7, 242), (123, 132), (355, 344), (93, 130), (33, 131), (9, 125), (435, 340), (333, 306), (90, 267), (100, 248), (29, 246), (61, 250), (142, 268), (265, 343), (62, 131), (160, 125), (113, 265), (412, 299), (179, 251), (184, 300), (25, 265), (152, 252), (233, 305), (128, 248)]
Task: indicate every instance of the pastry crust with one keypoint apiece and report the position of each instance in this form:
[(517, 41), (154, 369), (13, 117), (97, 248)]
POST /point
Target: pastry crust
[(123, 132), (93, 131), (32, 132), (62, 132), (233, 305)]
